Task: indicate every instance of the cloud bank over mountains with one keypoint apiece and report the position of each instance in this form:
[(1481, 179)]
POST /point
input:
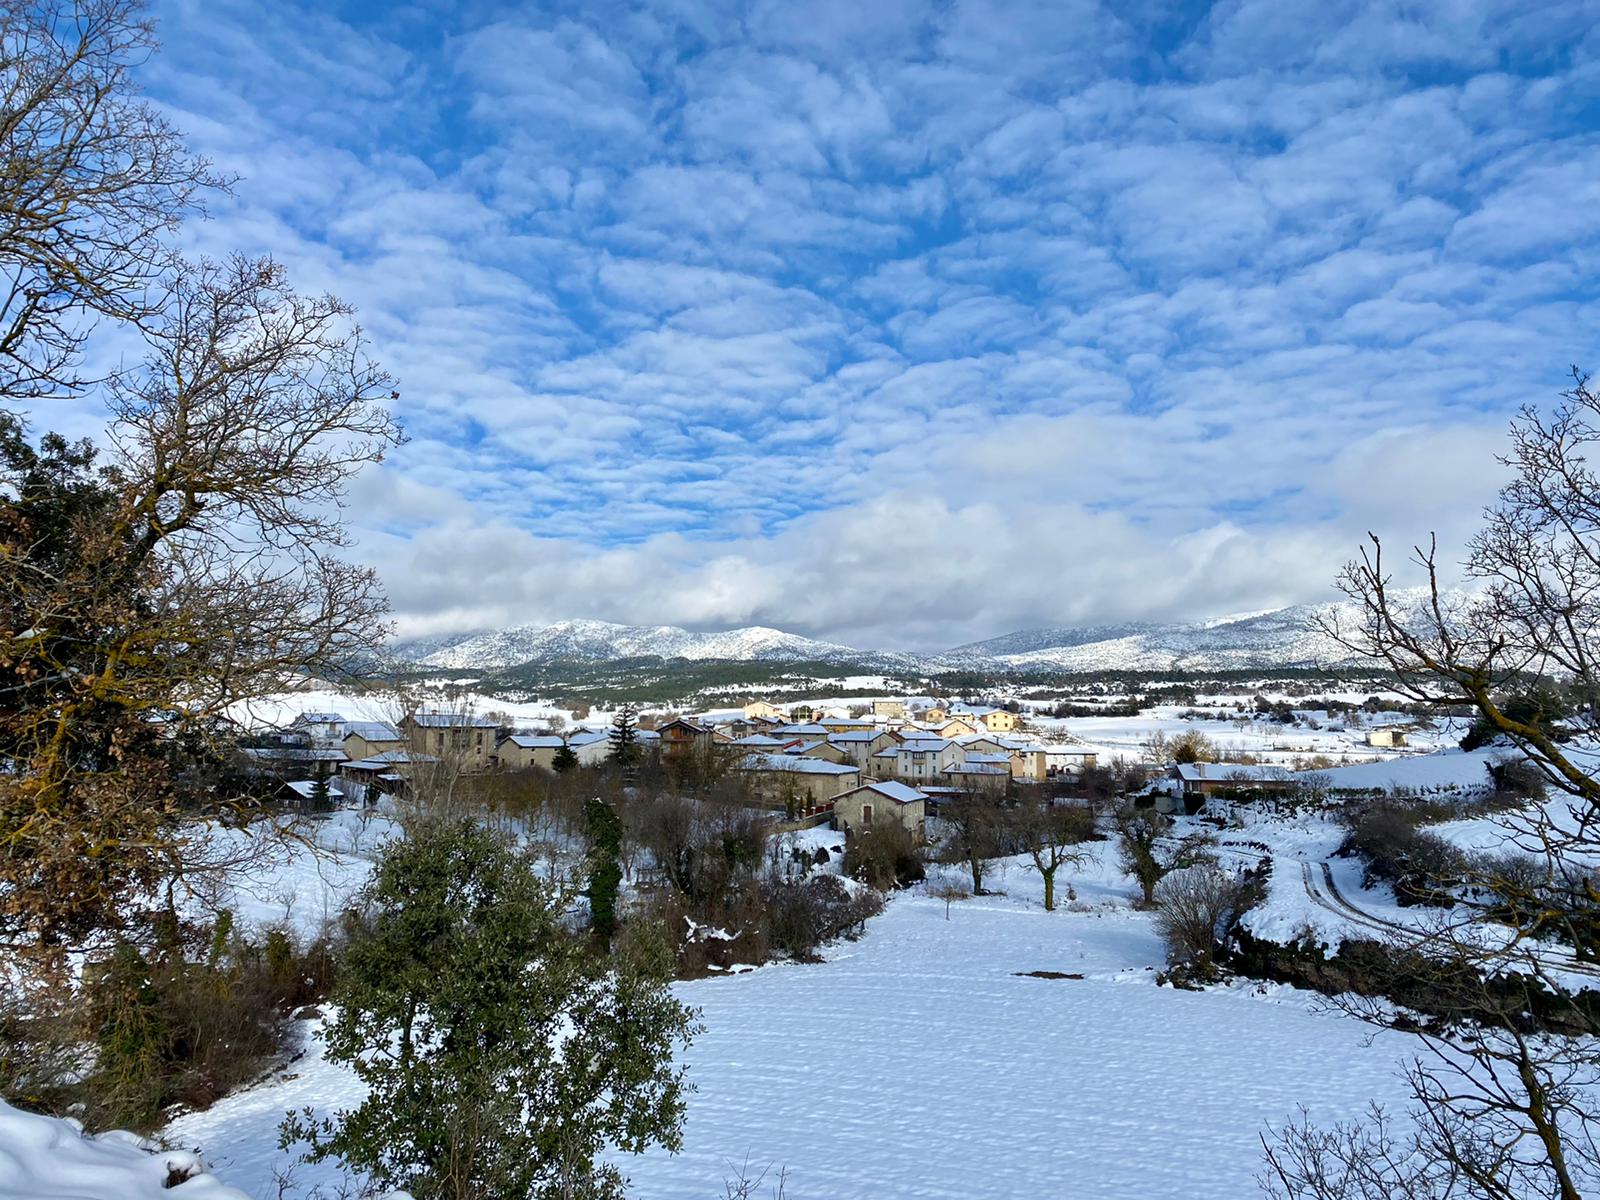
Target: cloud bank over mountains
[(906, 324)]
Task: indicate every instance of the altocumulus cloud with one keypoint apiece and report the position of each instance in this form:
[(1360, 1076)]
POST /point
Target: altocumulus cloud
[(912, 323)]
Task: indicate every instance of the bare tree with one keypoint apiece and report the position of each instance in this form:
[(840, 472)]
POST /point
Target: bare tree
[(974, 824), (1503, 1085), (196, 572), (949, 890), (1052, 836), (1195, 908), (94, 181), (1148, 852)]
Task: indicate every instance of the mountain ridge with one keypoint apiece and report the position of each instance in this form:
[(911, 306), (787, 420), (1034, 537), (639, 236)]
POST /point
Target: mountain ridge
[(1281, 637)]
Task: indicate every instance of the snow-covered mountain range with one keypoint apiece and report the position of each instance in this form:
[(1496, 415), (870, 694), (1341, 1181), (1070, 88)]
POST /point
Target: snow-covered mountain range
[(1275, 639), (1282, 637), (601, 641)]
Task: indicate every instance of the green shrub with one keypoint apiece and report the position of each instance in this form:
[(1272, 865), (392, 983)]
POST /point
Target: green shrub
[(501, 1052), (179, 1031)]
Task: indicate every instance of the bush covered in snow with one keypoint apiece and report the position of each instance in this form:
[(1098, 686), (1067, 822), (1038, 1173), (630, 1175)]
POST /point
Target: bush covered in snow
[(46, 1158)]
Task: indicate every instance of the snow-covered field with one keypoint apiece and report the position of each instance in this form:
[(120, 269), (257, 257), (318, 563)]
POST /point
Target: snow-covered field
[(918, 1062), (1268, 741)]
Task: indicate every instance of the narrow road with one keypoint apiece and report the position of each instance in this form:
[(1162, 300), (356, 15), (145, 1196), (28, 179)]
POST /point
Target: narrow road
[(1317, 878)]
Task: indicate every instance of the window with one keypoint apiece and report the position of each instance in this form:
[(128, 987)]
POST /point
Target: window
[(866, 816)]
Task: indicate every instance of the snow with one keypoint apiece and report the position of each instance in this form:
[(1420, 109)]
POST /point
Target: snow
[(281, 882), (47, 1158), (918, 1062), (1126, 737), (598, 641), (1447, 770)]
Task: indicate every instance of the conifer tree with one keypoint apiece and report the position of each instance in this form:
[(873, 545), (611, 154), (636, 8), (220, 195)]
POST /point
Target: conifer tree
[(605, 871), (624, 737)]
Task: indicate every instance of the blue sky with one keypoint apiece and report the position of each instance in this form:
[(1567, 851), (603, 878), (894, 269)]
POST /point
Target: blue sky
[(907, 324)]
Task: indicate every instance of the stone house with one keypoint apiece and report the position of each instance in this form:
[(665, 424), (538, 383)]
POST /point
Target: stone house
[(462, 738), (811, 781), (871, 804), (363, 739)]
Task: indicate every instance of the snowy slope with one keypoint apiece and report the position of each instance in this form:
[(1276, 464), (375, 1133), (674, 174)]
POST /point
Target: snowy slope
[(919, 1063), (1281, 638)]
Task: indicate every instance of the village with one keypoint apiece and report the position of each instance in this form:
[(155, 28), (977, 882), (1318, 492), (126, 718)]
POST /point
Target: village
[(848, 763)]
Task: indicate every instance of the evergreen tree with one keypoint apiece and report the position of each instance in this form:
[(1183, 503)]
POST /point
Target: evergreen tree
[(563, 760), (624, 737), (501, 1055), (605, 872), (321, 799)]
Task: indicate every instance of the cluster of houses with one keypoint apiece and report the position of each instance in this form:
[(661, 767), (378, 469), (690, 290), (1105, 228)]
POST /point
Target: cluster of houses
[(858, 766), (893, 763)]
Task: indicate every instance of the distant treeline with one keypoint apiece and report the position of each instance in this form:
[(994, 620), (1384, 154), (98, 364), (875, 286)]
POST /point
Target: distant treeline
[(655, 680)]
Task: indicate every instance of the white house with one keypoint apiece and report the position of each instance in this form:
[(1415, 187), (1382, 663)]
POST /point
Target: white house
[(918, 759), (322, 728), (590, 745)]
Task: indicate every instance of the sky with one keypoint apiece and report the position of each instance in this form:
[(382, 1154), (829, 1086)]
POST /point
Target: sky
[(904, 324)]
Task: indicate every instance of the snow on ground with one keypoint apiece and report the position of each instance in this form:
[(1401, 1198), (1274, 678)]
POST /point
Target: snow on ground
[(46, 1158), (1447, 770), (1126, 737), (280, 881), (279, 710), (917, 1062), (1299, 901)]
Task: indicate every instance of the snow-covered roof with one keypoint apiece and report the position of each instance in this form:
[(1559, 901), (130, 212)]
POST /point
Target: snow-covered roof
[(443, 720), (1194, 772), (856, 735), (318, 718), (975, 768), (389, 758), (692, 726), (924, 745), (294, 754), (890, 789), (810, 730), (373, 731), (586, 737), (535, 741), (1004, 759), (788, 762), (756, 741), (306, 789)]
